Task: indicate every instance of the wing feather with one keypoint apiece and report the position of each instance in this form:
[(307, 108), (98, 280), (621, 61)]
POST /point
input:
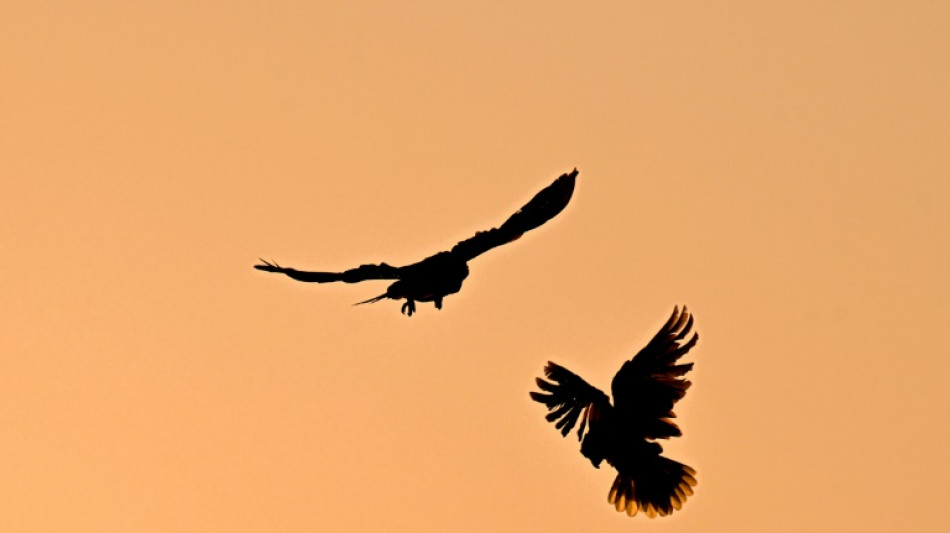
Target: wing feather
[(353, 275), (646, 387), (542, 207), (569, 398)]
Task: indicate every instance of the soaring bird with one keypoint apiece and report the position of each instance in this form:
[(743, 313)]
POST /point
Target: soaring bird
[(623, 434), (439, 275)]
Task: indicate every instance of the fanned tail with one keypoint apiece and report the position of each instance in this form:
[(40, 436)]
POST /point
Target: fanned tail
[(659, 488)]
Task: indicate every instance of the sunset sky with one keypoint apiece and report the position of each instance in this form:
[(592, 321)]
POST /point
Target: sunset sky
[(782, 168)]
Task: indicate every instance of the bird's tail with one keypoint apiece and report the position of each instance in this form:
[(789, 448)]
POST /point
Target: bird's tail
[(372, 300), (657, 487)]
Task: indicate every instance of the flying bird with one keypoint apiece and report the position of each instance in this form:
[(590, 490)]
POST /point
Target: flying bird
[(439, 275), (623, 434)]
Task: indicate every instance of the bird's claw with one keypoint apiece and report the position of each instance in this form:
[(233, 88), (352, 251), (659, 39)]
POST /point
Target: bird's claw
[(409, 308)]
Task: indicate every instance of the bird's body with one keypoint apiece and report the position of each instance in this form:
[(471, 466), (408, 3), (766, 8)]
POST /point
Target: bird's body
[(429, 280), (441, 274), (624, 433)]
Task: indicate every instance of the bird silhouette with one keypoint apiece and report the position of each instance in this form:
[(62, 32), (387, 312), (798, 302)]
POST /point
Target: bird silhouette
[(439, 275), (623, 434)]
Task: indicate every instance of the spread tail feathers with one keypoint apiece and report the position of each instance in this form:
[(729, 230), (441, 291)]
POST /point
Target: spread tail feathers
[(372, 300), (658, 489)]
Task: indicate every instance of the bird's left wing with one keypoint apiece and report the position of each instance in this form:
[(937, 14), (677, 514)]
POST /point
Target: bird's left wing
[(542, 207), (647, 386), (353, 275), (568, 397)]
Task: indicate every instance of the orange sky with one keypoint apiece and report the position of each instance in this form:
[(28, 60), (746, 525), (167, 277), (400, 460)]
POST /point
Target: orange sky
[(781, 168)]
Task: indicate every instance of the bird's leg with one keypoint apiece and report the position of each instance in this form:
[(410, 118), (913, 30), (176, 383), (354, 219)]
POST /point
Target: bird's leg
[(438, 302), (409, 307)]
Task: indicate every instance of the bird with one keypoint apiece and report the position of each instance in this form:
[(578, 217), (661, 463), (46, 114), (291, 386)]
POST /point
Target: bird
[(441, 274), (624, 434)]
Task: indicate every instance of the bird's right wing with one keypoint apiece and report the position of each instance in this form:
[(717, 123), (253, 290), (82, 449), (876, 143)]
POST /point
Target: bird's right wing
[(647, 386), (354, 275), (568, 397), (542, 207)]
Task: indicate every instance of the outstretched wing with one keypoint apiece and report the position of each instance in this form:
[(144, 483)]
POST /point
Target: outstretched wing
[(354, 275), (568, 397), (647, 386), (543, 207)]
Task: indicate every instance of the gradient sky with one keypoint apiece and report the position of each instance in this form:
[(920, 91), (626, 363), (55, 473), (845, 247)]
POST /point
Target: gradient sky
[(780, 167)]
